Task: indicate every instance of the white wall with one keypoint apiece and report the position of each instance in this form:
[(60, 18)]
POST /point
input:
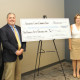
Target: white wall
[(35, 9), (31, 9)]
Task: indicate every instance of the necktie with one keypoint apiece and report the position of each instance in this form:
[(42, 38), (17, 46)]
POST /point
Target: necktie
[(17, 38)]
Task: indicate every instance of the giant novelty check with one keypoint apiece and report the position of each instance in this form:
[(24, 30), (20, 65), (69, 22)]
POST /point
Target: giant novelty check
[(45, 29)]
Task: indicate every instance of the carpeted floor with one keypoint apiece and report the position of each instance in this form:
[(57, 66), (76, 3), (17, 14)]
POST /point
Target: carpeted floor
[(53, 73)]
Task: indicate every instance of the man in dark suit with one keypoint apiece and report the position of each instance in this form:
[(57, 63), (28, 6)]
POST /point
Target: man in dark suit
[(1, 62), (13, 48)]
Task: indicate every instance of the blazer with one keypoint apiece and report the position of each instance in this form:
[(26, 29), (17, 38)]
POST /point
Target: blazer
[(1, 61), (0, 54), (10, 44)]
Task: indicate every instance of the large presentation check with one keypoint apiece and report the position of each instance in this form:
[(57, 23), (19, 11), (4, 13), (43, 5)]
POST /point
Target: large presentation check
[(36, 29)]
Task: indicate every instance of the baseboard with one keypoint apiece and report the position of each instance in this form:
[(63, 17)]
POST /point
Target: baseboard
[(41, 68)]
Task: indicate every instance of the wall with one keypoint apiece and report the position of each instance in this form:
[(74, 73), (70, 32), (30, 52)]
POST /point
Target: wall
[(72, 8), (35, 9)]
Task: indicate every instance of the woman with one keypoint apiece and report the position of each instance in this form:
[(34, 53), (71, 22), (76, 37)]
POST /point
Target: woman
[(74, 46)]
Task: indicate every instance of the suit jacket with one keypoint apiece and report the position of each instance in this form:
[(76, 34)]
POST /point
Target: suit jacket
[(0, 54), (1, 61), (10, 44)]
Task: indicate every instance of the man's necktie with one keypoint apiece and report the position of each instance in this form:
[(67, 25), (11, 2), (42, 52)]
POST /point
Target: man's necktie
[(17, 38)]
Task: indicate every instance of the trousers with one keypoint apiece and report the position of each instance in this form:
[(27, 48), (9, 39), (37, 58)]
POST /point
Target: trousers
[(12, 70)]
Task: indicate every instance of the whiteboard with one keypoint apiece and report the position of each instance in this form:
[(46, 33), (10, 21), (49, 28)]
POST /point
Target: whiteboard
[(35, 29)]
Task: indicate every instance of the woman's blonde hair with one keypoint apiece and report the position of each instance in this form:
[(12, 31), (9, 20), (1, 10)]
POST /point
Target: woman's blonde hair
[(76, 17)]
